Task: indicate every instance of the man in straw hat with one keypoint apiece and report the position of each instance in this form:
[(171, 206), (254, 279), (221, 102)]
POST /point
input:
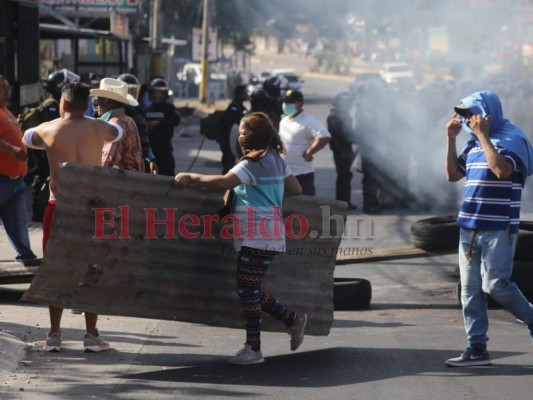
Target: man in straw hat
[(111, 98), (78, 139)]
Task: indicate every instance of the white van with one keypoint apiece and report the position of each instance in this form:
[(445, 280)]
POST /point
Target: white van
[(395, 72)]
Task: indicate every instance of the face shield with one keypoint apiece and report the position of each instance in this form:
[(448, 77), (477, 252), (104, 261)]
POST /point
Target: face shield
[(134, 89), (70, 76)]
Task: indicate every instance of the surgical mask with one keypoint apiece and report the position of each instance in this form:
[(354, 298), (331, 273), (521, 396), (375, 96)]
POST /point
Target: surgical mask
[(288, 108)]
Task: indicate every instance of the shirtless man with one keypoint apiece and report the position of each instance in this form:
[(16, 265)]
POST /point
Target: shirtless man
[(73, 138)]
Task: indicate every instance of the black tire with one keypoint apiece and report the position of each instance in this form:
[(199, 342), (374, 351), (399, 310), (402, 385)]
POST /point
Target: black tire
[(491, 303), (524, 246), (351, 294), (523, 277), (436, 234), (526, 225)]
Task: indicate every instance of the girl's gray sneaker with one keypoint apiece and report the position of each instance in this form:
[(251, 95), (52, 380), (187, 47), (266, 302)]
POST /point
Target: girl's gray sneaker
[(247, 356), (297, 331)]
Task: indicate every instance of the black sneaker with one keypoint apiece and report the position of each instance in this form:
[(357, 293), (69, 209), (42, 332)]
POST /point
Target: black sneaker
[(32, 262), (470, 357)]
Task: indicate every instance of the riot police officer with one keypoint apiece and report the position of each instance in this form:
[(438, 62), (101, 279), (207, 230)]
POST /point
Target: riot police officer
[(341, 127), (162, 118), (136, 114)]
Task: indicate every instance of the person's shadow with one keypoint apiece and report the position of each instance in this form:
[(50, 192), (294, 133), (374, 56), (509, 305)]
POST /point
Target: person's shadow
[(331, 367)]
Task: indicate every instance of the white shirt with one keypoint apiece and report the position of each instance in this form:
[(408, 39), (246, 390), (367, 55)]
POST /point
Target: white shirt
[(297, 135)]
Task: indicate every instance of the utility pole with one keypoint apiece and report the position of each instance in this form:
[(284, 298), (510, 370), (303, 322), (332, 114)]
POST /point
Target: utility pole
[(205, 54), (155, 38)]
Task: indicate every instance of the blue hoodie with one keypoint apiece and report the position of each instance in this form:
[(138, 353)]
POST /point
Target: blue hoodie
[(502, 133), (491, 204)]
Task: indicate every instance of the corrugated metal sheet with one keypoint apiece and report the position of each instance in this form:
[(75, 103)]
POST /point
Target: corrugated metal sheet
[(175, 279)]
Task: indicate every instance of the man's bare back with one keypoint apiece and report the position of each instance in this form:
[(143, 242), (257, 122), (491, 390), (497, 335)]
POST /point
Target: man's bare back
[(73, 139)]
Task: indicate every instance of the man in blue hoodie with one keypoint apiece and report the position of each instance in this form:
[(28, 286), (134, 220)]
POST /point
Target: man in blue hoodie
[(496, 160)]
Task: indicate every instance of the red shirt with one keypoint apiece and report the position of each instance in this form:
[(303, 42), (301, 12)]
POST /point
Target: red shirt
[(10, 132)]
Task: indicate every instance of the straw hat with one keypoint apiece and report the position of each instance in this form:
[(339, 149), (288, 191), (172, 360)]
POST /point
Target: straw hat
[(115, 90)]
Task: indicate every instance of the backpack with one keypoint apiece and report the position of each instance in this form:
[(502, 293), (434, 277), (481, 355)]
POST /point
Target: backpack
[(211, 126), (34, 116)]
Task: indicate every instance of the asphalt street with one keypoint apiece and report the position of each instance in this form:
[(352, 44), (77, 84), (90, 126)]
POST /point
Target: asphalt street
[(393, 350)]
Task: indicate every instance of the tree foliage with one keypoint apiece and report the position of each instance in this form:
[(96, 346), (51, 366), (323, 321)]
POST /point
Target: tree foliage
[(237, 20)]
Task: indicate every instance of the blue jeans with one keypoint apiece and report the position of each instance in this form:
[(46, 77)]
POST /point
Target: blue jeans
[(14, 216), (488, 271)]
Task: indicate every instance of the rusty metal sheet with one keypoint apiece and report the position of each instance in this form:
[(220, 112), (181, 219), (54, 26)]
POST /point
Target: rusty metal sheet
[(174, 277)]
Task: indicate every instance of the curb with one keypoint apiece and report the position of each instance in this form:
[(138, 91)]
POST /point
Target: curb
[(11, 352)]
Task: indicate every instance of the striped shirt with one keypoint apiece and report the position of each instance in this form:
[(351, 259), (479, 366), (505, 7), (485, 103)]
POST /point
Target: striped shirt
[(490, 203), (258, 202)]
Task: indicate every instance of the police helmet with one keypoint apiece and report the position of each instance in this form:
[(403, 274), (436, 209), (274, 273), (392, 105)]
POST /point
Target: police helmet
[(276, 86), (343, 100), (61, 78), (159, 89), (159, 83), (134, 86), (259, 93)]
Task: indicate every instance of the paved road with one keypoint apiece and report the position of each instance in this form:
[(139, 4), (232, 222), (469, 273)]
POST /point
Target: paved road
[(394, 350)]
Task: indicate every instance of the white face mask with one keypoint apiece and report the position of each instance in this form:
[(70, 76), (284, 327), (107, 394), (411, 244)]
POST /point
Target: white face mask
[(288, 108)]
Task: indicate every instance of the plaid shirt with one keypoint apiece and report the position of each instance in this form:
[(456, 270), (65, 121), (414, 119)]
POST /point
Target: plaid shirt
[(126, 153)]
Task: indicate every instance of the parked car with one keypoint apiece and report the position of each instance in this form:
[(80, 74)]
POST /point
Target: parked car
[(294, 81)]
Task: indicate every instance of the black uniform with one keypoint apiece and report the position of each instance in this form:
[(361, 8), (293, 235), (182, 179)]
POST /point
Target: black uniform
[(161, 135), (262, 102), (340, 126), (136, 114), (232, 115)]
